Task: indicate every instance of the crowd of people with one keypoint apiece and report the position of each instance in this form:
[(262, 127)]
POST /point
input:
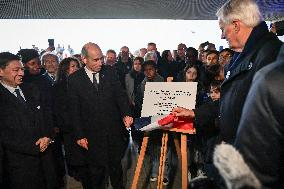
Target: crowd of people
[(71, 116)]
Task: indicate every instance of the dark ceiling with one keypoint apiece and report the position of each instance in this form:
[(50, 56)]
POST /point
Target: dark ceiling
[(125, 9)]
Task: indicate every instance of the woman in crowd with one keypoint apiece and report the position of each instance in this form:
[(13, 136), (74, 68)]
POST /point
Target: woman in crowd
[(191, 73), (167, 67), (132, 83), (60, 112)]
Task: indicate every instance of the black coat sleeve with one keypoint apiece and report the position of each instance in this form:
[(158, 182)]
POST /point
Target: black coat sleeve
[(74, 109), (260, 137), (205, 118)]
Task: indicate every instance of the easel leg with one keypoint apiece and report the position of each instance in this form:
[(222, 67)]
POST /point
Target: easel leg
[(177, 146), (184, 161), (140, 162), (162, 160)]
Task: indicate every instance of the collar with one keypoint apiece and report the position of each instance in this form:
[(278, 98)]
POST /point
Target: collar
[(50, 75), (9, 88), (90, 74), (257, 34)]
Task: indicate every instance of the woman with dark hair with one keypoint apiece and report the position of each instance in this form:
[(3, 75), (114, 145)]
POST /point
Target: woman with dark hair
[(61, 117), (191, 73), (167, 67), (132, 83), (66, 67)]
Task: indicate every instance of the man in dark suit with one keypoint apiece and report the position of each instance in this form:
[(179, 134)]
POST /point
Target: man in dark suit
[(247, 34), (100, 112), (23, 134), (50, 63)]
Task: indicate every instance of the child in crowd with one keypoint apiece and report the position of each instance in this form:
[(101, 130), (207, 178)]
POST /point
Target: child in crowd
[(151, 75), (206, 124)]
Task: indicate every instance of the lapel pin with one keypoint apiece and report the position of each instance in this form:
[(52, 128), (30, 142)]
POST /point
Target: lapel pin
[(228, 74), (250, 65)]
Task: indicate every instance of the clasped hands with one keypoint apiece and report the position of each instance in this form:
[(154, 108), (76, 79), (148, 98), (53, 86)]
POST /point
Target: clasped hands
[(127, 120), (43, 143)]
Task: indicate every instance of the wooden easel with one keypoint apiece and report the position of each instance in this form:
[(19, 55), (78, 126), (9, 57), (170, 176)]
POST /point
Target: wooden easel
[(181, 151)]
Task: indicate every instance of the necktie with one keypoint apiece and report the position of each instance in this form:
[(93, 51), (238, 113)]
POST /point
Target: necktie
[(19, 96), (95, 82)]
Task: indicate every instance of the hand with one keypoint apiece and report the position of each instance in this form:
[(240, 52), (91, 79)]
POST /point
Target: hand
[(83, 143), (43, 143), (127, 120), (183, 112)]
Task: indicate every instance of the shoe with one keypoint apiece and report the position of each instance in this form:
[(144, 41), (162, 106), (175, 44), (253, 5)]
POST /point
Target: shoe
[(200, 174), (153, 179), (165, 182)]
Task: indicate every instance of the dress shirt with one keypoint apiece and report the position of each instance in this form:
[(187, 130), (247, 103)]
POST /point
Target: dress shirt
[(90, 75), (12, 90)]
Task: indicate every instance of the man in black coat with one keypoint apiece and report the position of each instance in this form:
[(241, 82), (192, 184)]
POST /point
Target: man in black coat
[(23, 134), (99, 107), (260, 138), (242, 26)]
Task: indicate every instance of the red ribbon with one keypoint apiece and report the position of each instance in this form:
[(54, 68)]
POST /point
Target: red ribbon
[(178, 122)]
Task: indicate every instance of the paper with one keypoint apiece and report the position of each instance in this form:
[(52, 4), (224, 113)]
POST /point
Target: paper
[(161, 97)]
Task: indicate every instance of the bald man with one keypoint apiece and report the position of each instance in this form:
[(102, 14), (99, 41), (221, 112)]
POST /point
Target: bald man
[(100, 114)]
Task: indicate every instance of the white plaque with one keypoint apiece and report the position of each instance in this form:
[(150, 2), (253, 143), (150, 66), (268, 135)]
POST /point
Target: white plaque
[(161, 97)]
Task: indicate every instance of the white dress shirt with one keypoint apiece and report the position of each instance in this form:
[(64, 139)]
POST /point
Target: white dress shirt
[(90, 75), (12, 90)]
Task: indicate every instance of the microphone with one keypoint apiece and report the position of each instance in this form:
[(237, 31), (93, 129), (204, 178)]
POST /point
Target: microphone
[(233, 168)]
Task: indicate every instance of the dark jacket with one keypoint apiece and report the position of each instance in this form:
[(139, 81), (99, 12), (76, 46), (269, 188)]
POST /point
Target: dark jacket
[(97, 115), (41, 81), (122, 69), (132, 84), (168, 69), (45, 88), (261, 49), (207, 127), (260, 138), (62, 120), (22, 124)]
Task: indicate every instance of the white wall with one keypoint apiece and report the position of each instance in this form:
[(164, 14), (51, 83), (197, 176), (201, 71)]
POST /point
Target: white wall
[(109, 34)]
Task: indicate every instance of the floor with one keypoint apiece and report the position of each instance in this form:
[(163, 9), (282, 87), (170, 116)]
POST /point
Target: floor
[(129, 164)]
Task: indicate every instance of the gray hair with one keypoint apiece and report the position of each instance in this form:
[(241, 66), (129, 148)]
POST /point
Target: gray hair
[(151, 56), (247, 11), (49, 54)]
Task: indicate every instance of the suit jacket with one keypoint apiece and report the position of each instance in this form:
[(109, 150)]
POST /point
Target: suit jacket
[(97, 114), (62, 120), (22, 124)]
